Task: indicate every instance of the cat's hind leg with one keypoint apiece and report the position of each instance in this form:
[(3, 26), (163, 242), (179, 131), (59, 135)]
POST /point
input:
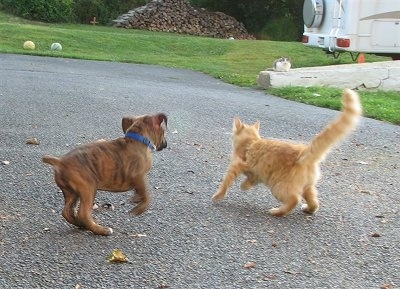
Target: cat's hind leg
[(311, 197), (288, 196), (249, 182), (234, 170)]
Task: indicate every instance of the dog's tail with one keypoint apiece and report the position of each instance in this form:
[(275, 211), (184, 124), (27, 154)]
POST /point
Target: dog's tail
[(334, 132), (51, 160)]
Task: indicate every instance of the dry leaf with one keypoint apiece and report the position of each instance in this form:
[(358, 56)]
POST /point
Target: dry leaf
[(107, 206), (138, 235), (32, 141), (117, 256), (291, 272), (4, 217), (269, 277), (253, 241), (250, 265)]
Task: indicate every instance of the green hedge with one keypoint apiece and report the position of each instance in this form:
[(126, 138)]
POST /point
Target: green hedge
[(41, 10), (69, 11)]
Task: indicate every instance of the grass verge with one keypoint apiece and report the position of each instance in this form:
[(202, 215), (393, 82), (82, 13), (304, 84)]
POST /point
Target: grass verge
[(382, 105)]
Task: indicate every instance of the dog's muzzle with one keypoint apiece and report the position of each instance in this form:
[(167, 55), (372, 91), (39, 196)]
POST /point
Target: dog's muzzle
[(162, 146)]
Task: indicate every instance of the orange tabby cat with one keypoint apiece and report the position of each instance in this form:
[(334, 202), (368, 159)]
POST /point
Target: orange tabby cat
[(290, 170)]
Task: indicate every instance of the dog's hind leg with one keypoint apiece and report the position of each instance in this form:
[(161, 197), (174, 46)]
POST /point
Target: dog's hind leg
[(142, 195), (70, 201), (85, 214)]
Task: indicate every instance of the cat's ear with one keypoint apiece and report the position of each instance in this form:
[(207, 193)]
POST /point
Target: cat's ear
[(237, 124), (257, 125)]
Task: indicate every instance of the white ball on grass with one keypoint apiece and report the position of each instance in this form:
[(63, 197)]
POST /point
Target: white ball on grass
[(29, 45), (56, 46)]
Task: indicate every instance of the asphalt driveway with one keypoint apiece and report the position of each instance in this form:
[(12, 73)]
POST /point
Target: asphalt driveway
[(184, 240)]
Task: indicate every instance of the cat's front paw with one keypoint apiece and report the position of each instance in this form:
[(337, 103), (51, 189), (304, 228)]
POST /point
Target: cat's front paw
[(218, 196), (277, 212)]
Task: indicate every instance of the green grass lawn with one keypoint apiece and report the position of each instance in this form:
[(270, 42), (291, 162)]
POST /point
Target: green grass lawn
[(236, 62), (383, 105)]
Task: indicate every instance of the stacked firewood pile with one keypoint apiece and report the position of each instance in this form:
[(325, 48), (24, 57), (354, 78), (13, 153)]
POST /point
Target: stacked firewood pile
[(179, 17)]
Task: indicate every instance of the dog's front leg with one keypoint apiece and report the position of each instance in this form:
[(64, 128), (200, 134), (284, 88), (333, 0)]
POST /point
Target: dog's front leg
[(136, 198), (142, 196)]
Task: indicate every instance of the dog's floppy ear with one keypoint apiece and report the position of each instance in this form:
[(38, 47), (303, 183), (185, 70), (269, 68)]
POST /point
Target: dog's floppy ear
[(161, 120), (127, 121)]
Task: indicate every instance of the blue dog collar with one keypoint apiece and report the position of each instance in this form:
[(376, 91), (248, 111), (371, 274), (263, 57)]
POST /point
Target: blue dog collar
[(141, 139)]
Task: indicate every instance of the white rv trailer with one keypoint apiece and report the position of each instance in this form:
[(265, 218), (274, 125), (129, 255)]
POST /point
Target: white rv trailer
[(355, 26)]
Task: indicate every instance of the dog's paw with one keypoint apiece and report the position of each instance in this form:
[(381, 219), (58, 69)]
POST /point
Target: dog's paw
[(139, 209), (103, 231), (136, 198)]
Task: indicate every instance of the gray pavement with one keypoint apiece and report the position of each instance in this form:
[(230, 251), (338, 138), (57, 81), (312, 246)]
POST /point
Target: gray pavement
[(184, 240)]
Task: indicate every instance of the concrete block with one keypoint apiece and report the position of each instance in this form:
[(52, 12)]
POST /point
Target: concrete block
[(377, 75)]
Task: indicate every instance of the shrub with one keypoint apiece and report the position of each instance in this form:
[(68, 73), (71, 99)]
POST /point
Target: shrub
[(81, 11), (265, 19), (104, 10), (281, 29), (85, 10), (41, 10)]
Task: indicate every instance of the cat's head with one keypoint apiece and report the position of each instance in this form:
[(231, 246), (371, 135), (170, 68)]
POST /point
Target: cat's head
[(284, 59), (244, 133)]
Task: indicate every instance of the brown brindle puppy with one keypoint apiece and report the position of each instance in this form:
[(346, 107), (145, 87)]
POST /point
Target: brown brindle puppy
[(117, 165)]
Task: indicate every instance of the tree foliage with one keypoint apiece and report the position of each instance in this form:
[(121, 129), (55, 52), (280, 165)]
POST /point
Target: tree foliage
[(81, 11), (266, 19), (41, 10), (276, 19)]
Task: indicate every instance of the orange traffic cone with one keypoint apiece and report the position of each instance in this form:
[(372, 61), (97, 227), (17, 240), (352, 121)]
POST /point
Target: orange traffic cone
[(361, 58)]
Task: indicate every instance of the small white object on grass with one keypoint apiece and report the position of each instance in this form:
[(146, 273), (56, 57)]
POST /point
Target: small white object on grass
[(56, 46), (29, 45)]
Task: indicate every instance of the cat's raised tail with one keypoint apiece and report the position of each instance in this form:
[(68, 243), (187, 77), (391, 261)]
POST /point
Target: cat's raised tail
[(334, 132)]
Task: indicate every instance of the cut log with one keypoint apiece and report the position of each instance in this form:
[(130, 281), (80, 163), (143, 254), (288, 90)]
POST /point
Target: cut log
[(179, 16)]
